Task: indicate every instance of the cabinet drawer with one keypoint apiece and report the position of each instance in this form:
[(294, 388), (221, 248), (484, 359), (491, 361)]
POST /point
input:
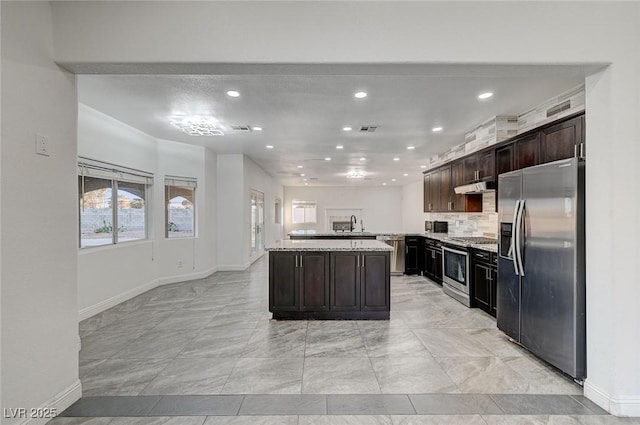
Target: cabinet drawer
[(482, 256), (433, 243)]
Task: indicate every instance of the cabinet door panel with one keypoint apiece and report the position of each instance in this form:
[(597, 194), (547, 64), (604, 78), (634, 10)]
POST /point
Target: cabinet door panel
[(481, 288), (487, 165), (457, 179), (494, 291), (527, 151), (345, 282), (314, 284), (283, 282), (445, 189), (375, 282), (504, 158), (559, 141), (470, 168), (427, 192)]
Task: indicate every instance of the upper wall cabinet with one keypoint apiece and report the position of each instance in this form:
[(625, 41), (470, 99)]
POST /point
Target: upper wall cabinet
[(479, 166), (563, 140)]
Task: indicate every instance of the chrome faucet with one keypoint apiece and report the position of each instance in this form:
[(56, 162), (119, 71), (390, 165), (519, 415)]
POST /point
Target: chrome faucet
[(352, 223)]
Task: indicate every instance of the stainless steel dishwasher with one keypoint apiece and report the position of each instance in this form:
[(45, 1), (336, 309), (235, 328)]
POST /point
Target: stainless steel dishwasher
[(397, 256)]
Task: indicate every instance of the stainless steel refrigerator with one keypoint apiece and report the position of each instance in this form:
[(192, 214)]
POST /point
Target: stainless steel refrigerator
[(541, 267)]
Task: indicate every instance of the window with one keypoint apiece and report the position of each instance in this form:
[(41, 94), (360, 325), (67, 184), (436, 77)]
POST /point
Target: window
[(180, 199), (103, 221), (303, 212)]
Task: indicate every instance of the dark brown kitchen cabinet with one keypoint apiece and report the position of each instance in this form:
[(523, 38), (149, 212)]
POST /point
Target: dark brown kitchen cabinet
[(413, 252), (479, 166), (345, 281), (360, 281), (527, 151), (446, 191), (375, 282), (283, 281), (433, 259), (563, 140), (457, 179), (431, 192), (504, 160), (313, 272), (485, 279), (299, 281)]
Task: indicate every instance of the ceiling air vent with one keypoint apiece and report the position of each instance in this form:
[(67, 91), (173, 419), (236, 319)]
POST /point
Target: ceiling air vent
[(241, 128), (558, 108), (368, 128)]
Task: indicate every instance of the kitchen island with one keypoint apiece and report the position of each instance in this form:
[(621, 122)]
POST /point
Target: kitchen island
[(329, 279)]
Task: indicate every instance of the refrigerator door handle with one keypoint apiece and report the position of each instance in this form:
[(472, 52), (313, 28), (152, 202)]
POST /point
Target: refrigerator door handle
[(512, 246), (518, 247)]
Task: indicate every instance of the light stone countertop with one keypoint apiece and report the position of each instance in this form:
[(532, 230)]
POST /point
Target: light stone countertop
[(329, 245)]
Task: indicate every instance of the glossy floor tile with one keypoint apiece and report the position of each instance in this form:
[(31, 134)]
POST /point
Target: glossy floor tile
[(214, 337)]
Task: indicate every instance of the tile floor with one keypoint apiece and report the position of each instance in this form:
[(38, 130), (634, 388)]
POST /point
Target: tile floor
[(214, 337)]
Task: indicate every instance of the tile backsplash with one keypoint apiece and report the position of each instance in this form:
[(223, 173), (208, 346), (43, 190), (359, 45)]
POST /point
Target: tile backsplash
[(472, 224)]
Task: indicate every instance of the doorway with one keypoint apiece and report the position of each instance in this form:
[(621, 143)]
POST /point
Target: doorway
[(257, 225)]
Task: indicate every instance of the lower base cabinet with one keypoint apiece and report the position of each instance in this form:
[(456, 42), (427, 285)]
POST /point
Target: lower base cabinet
[(485, 279), (329, 285), (433, 260)]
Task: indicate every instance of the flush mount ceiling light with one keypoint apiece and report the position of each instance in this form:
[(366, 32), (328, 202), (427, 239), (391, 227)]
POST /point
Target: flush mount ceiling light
[(363, 159), (423, 166), (355, 175), (405, 174), (197, 126), (396, 159), (233, 93), (436, 129), (300, 166), (485, 95), (360, 95), (269, 146), (393, 180), (411, 148), (339, 147), (346, 129), (256, 128), (384, 184), (302, 175), (327, 159)]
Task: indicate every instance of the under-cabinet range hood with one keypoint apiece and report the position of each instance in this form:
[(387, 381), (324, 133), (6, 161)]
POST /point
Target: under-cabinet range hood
[(479, 187)]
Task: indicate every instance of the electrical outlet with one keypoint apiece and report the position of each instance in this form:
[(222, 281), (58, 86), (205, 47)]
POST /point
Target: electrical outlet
[(42, 144), (180, 264)]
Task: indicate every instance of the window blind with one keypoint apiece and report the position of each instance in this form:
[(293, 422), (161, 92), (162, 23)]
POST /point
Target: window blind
[(188, 182), (104, 170)]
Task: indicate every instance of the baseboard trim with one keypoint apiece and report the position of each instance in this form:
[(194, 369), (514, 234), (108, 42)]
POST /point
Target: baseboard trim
[(234, 267), (186, 277), (60, 402), (87, 312), (625, 406)]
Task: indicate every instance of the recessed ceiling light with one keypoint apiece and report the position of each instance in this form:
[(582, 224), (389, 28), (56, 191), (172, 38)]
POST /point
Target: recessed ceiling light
[(327, 159), (363, 159), (411, 148), (393, 180), (269, 147), (436, 129), (346, 129), (485, 95), (257, 128), (423, 166), (306, 184), (233, 93), (339, 147), (300, 166), (302, 175), (396, 159), (384, 184), (304, 180), (360, 95), (405, 174)]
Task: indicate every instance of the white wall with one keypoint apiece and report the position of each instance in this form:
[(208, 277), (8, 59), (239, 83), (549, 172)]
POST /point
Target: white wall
[(392, 32), (39, 358), (381, 206), (237, 175), (131, 268)]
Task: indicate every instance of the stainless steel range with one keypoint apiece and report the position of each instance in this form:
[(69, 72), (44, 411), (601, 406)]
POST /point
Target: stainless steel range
[(455, 266)]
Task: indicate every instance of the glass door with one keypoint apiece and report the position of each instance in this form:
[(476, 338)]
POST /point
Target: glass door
[(257, 224)]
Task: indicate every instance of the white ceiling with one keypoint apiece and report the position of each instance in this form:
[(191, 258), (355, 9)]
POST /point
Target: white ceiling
[(303, 113)]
